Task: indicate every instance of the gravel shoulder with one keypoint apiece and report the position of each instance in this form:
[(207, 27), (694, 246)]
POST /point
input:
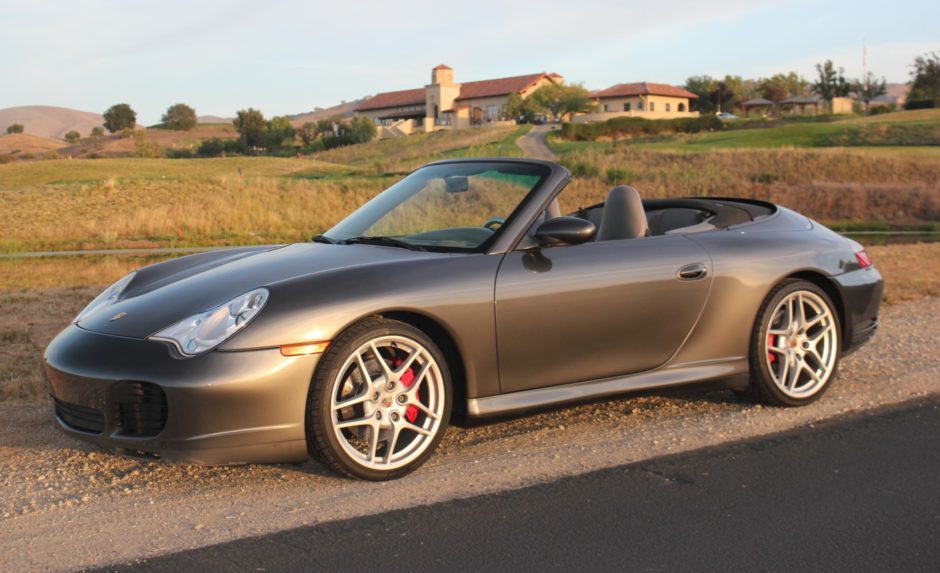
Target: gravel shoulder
[(65, 505)]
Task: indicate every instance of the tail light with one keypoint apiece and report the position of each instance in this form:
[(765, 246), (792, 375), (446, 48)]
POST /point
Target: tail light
[(863, 259)]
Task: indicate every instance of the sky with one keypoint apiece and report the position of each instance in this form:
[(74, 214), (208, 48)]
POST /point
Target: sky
[(287, 56)]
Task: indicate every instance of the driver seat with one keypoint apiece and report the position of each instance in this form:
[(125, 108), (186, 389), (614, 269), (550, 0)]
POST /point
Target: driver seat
[(623, 216)]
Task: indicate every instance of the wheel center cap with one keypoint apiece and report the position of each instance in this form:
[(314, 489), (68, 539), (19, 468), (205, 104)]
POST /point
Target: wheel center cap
[(386, 401)]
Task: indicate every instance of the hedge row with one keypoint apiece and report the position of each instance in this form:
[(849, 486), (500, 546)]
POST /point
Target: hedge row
[(633, 126)]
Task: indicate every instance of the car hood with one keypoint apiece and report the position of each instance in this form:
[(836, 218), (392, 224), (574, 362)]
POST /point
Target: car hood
[(165, 293)]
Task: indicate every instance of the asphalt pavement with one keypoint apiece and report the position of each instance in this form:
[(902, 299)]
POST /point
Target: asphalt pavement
[(861, 493)]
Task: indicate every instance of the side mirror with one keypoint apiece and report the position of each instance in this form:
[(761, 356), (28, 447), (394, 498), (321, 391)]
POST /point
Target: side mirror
[(565, 231)]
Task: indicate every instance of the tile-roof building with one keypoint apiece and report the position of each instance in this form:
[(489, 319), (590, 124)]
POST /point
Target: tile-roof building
[(444, 103), (640, 99)]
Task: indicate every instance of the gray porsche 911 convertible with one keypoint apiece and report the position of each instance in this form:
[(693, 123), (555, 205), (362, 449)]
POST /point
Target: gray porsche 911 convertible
[(460, 289)]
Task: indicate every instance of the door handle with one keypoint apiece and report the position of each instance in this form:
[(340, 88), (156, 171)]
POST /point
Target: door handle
[(692, 272)]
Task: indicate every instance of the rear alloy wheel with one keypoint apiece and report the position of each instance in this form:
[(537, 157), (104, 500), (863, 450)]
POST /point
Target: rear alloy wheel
[(380, 400), (795, 350)]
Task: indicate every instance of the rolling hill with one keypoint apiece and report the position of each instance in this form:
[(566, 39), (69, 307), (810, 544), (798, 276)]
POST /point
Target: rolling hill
[(24, 144), (49, 121), (344, 109)]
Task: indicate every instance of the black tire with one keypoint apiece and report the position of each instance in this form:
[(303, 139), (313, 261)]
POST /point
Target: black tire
[(763, 387), (322, 439)]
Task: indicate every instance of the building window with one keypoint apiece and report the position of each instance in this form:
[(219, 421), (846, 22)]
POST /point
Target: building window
[(626, 106), (668, 107), (606, 107), (681, 107), (492, 111), (639, 105), (652, 106)]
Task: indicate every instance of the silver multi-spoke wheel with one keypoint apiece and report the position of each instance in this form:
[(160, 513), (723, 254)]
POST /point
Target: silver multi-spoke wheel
[(801, 344), (380, 400), (387, 402), (796, 345)]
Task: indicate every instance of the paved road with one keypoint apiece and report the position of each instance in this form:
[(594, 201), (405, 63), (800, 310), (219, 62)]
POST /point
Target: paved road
[(533, 143), (858, 494)]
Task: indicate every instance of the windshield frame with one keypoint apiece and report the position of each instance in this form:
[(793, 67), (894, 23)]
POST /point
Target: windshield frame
[(547, 186)]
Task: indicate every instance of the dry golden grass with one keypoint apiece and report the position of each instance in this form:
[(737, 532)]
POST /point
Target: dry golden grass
[(41, 296), (910, 271), (825, 185), (407, 153), (30, 319), (20, 144), (201, 202)]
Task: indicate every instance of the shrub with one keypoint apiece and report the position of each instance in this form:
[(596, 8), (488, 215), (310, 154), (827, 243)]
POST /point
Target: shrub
[(582, 169), (920, 104), (173, 153), (4, 158), (72, 136), (619, 175), (15, 128), (212, 147), (636, 126)]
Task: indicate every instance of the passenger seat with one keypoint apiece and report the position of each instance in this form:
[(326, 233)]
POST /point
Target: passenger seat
[(623, 216)]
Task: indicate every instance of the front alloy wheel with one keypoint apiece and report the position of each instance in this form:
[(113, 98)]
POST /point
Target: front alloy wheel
[(380, 400)]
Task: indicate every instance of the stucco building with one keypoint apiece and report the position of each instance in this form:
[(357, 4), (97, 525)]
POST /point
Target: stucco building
[(445, 104), (640, 99)]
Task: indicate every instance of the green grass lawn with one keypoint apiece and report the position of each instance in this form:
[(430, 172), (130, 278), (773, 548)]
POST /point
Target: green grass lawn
[(908, 131)]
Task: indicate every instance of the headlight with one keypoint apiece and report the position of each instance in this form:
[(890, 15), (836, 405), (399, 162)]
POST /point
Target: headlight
[(206, 330), (110, 294)]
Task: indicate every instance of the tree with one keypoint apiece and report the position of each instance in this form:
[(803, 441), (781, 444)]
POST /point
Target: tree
[(926, 74), (96, 132), (779, 87), (15, 128), (73, 136), (279, 133), (702, 86), (308, 132), (362, 129), (119, 117), (869, 88), (561, 100), (831, 83), (250, 125), (179, 117), (325, 127), (723, 96), (521, 108)]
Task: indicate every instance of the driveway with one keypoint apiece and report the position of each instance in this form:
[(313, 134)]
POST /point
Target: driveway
[(533, 143)]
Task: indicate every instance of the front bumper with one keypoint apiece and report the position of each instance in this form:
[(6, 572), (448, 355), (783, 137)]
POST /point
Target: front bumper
[(134, 397)]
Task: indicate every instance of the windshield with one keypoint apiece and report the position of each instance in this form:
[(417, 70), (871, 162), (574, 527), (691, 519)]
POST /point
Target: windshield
[(451, 206)]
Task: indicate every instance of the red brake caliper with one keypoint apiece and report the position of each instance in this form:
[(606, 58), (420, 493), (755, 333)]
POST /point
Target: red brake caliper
[(770, 342), (408, 378)]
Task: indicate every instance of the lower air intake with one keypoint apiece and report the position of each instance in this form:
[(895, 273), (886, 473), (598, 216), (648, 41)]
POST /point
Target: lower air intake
[(141, 409)]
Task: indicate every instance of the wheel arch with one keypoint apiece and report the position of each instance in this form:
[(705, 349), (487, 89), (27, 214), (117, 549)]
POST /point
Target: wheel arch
[(832, 291), (448, 346)]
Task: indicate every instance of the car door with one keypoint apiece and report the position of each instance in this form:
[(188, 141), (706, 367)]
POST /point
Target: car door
[(596, 310)]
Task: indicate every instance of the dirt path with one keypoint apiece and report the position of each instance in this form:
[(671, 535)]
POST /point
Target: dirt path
[(533, 143), (64, 505)]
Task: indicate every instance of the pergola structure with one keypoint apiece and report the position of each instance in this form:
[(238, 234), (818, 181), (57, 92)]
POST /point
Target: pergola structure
[(758, 103), (802, 102)]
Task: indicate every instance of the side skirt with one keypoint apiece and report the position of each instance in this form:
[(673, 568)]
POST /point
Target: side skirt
[(515, 402)]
